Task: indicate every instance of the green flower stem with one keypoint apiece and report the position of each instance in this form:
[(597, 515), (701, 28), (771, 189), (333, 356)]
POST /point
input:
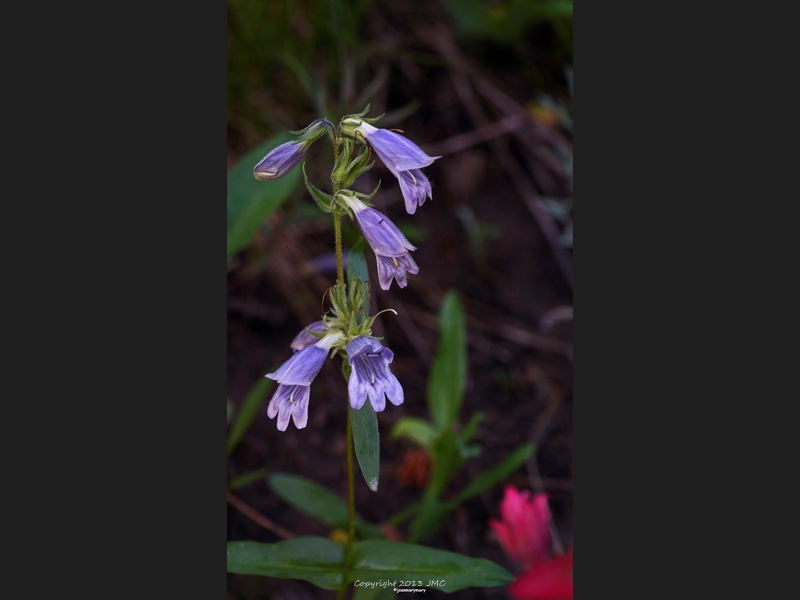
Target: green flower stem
[(337, 228), (351, 486), (351, 482)]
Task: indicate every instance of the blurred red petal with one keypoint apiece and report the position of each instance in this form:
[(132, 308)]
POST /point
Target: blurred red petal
[(524, 531), (549, 581)]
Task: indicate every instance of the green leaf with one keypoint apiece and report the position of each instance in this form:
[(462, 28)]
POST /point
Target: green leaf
[(251, 202), (384, 560), (366, 441), (495, 475), (248, 411), (319, 502), (313, 559), (417, 430), (448, 376), (246, 479), (357, 267)]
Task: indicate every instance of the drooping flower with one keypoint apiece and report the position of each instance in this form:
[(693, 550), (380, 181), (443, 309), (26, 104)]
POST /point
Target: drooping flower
[(294, 378), (404, 159), (370, 376), (524, 528), (387, 242), (304, 339), (551, 580), (279, 161)]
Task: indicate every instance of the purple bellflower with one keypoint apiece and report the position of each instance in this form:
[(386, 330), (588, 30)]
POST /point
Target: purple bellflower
[(404, 159), (370, 375), (387, 242), (279, 161), (294, 379), (305, 339)]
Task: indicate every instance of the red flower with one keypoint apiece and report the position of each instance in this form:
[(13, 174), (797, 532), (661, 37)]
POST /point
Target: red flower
[(551, 580), (524, 528)]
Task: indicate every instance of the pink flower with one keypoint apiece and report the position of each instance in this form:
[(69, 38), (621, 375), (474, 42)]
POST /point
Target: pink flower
[(524, 528), (551, 580)]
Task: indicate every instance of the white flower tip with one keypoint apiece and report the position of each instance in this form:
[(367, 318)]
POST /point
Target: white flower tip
[(366, 129), (329, 341)]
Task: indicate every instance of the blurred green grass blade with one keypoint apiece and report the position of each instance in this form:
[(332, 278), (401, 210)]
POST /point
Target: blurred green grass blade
[(472, 426), (495, 475), (246, 479), (445, 459), (251, 202), (448, 376), (247, 412), (428, 519), (314, 559), (384, 560), (417, 430), (366, 441), (319, 502), (357, 267)]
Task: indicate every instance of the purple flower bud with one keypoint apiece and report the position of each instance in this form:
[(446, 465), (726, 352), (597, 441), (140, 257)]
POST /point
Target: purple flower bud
[(294, 378), (279, 161), (404, 159), (370, 375), (305, 339)]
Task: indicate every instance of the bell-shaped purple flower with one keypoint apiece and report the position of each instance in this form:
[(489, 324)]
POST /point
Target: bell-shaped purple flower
[(294, 378), (370, 375), (404, 159), (279, 161), (304, 339), (387, 242)]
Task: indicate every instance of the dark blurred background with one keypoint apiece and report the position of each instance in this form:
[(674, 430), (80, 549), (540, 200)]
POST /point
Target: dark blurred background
[(487, 85)]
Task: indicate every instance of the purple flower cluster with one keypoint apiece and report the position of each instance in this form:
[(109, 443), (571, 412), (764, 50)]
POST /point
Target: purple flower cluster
[(370, 377)]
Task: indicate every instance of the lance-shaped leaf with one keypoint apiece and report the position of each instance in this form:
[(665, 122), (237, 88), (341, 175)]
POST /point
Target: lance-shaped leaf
[(448, 376), (382, 560), (322, 199), (366, 442), (314, 559), (319, 502), (251, 202)]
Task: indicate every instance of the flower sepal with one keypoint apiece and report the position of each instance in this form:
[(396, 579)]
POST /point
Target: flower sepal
[(324, 201), (314, 131), (347, 169)]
